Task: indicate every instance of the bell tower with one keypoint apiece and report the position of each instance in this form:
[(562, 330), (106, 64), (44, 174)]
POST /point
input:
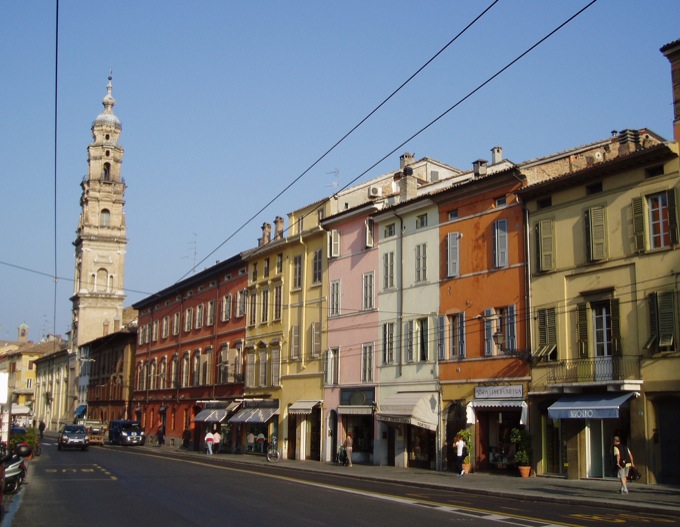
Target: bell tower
[(101, 241)]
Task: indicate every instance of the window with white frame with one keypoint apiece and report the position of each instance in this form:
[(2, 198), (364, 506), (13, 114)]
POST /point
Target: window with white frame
[(210, 314), (297, 272), (388, 343), (453, 254), (241, 302), (409, 345), (388, 270), (175, 323), (188, 319), (457, 335), (264, 315), (200, 314), (250, 370), (334, 304), (317, 267), (186, 370), (263, 369), (165, 327), (223, 365), (295, 341), (315, 341), (334, 243), (368, 291), (369, 225), (661, 229), (421, 262), (332, 366), (421, 221), (367, 362), (252, 316), (389, 231), (154, 331), (226, 308), (278, 302), (196, 369), (276, 367), (500, 243)]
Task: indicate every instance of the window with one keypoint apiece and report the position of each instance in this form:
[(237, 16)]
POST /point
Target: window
[(252, 310), (241, 303), (662, 224), (500, 202), (165, 327), (594, 188), (544, 203), (421, 262), (211, 313), (223, 365), (331, 366), (662, 325), (453, 214), (441, 337), (389, 231), (334, 243), (297, 272), (199, 316), (226, 308), (196, 369), (369, 232), (457, 335), (154, 331), (253, 277), (500, 243), (547, 335), (602, 319), (421, 221), (453, 255), (408, 340), (490, 323), (175, 323), (188, 319), (596, 234), (105, 218), (263, 369), (276, 367), (295, 341), (602, 329), (250, 370), (315, 341), (278, 302), (317, 270), (388, 270), (388, 343), (335, 298), (265, 271), (367, 302), (367, 363), (545, 244), (186, 371), (654, 171), (423, 339), (279, 263), (264, 315)]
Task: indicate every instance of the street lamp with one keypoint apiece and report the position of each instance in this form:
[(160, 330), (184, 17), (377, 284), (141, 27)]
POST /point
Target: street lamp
[(522, 354)]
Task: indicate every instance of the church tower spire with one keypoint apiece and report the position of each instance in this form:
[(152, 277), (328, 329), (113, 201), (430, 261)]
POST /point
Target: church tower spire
[(101, 240)]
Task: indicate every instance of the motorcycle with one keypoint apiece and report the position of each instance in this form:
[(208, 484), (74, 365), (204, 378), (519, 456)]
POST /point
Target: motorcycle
[(15, 467)]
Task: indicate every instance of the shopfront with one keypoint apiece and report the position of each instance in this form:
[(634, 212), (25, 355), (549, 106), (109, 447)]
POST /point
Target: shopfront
[(590, 420), (254, 425), (214, 416), (356, 417), (409, 424)]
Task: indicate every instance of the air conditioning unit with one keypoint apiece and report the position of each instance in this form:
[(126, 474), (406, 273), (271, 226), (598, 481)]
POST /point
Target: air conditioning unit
[(374, 192)]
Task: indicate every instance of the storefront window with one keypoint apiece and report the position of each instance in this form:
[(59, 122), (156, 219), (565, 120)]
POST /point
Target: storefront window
[(421, 447), (361, 427)]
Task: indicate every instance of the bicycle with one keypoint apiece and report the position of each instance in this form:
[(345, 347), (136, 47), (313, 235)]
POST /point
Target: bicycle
[(273, 454)]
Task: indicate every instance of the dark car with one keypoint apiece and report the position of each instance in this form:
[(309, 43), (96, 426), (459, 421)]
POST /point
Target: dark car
[(73, 436), (16, 429)]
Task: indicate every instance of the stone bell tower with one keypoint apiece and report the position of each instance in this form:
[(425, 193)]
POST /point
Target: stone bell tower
[(100, 245)]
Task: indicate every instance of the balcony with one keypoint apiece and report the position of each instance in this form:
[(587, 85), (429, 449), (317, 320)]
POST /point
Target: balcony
[(594, 370)]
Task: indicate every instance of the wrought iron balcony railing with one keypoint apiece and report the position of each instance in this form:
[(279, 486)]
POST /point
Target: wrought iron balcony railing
[(595, 369)]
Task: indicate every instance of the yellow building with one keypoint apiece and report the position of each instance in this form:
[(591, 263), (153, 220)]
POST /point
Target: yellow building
[(604, 261)]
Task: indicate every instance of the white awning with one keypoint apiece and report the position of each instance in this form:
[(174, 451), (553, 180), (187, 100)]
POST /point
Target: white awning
[(302, 407), (498, 403), (417, 409), (212, 415), (354, 409), (233, 406), (20, 409), (254, 415)]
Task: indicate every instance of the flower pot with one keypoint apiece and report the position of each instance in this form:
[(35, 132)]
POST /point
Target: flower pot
[(524, 471), (467, 467)]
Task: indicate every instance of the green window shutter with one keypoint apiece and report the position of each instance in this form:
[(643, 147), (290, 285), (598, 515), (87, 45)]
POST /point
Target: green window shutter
[(596, 234), (638, 211), (652, 303), (673, 217), (617, 348), (545, 244), (666, 309), (582, 329)]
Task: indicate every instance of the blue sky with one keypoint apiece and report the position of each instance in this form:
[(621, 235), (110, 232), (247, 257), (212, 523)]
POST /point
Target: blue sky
[(224, 103)]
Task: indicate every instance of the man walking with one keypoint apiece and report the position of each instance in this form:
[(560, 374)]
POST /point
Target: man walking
[(624, 460)]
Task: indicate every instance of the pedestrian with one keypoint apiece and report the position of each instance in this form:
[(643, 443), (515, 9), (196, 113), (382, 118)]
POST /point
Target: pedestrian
[(623, 459), (250, 441), (41, 427), (348, 448), (209, 440), (260, 442), (217, 439), (160, 435), (459, 445)]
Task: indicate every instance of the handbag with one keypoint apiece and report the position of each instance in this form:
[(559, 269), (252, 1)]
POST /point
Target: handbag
[(633, 474)]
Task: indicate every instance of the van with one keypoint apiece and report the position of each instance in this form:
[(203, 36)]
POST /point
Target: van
[(125, 432)]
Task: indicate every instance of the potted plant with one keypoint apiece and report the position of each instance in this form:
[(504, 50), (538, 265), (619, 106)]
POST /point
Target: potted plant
[(465, 436), (521, 438)]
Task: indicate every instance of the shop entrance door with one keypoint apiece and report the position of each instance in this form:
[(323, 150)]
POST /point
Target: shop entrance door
[(391, 438), (291, 436), (599, 434)]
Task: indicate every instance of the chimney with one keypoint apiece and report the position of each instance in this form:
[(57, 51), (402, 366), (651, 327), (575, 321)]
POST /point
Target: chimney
[(672, 53), (479, 167), (278, 228), (496, 155), (266, 233), (408, 187), (105, 328), (405, 159), (116, 324), (629, 141)]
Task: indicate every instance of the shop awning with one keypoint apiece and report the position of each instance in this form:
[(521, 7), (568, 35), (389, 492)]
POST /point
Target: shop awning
[(233, 406), (354, 409), (302, 407), (589, 406), (211, 415), (80, 411), (254, 415), (20, 409), (490, 404), (417, 409)]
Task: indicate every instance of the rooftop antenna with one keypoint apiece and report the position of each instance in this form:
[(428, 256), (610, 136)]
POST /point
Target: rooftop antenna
[(193, 245), (336, 175)]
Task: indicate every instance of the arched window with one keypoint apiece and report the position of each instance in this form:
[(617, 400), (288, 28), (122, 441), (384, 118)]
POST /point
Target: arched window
[(186, 370), (196, 369), (105, 218), (102, 279), (106, 172)]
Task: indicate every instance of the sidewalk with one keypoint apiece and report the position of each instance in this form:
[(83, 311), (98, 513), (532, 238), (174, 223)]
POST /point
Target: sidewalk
[(642, 498)]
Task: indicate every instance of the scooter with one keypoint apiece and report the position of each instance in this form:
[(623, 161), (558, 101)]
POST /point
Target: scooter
[(15, 472)]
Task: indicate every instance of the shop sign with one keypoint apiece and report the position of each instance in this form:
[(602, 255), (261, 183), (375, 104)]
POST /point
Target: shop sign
[(512, 391), (394, 419)]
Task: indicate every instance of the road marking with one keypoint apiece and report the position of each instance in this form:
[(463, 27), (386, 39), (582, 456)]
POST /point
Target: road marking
[(82, 472)]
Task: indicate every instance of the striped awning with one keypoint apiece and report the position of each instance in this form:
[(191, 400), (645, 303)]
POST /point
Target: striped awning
[(354, 409), (303, 407)]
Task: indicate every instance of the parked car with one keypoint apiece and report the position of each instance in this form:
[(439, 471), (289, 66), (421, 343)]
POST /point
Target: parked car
[(16, 429), (73, 436), (126, 433)]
